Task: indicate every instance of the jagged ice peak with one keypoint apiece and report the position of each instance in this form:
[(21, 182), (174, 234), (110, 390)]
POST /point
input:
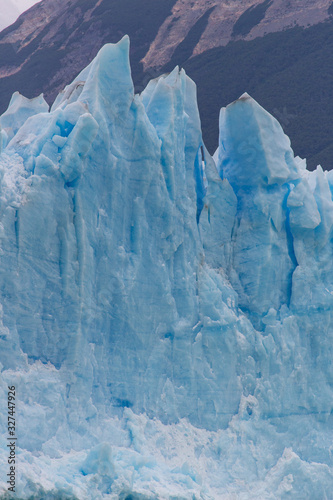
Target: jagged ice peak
[(166, 319)]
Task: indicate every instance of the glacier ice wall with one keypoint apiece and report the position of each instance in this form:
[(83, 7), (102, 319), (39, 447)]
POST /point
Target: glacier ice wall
[(167, 320)]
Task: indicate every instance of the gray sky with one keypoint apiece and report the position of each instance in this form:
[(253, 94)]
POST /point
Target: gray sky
[(11, 9)]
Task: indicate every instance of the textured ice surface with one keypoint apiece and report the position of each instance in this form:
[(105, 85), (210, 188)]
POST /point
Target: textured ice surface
[(166, 319)]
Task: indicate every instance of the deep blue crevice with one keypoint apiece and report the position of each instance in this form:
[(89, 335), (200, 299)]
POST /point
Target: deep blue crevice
[(290, 246), (122, 403), (200, 187), (16, 228)]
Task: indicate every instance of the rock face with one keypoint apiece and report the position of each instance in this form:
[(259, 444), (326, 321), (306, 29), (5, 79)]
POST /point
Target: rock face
[(230, 20), (33, 21), (9, 13), (52, 42), (72, 32), (166, 318), (11, 9)]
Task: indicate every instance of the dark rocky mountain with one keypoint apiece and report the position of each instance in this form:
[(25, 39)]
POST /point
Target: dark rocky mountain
[(49, 44), (278, 51), (230, 20)]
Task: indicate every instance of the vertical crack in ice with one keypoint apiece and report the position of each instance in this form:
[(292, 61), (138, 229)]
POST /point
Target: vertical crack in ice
[(17, 229), (80, 242), (63, 258), (200, 161), (290, 246)]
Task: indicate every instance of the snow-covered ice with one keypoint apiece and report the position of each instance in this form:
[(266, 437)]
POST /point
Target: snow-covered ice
[(166, 317)]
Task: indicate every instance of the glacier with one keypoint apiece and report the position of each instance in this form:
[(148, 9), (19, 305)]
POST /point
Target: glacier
[(166, 316)]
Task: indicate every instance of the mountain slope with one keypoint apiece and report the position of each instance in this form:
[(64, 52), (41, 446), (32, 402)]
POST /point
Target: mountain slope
[(221, 44), (229, 20), (44, 48), (11, 9), (294, 83), (9, 13)]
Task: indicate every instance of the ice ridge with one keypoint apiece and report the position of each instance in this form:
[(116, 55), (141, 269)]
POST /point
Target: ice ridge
[(166, 317)]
